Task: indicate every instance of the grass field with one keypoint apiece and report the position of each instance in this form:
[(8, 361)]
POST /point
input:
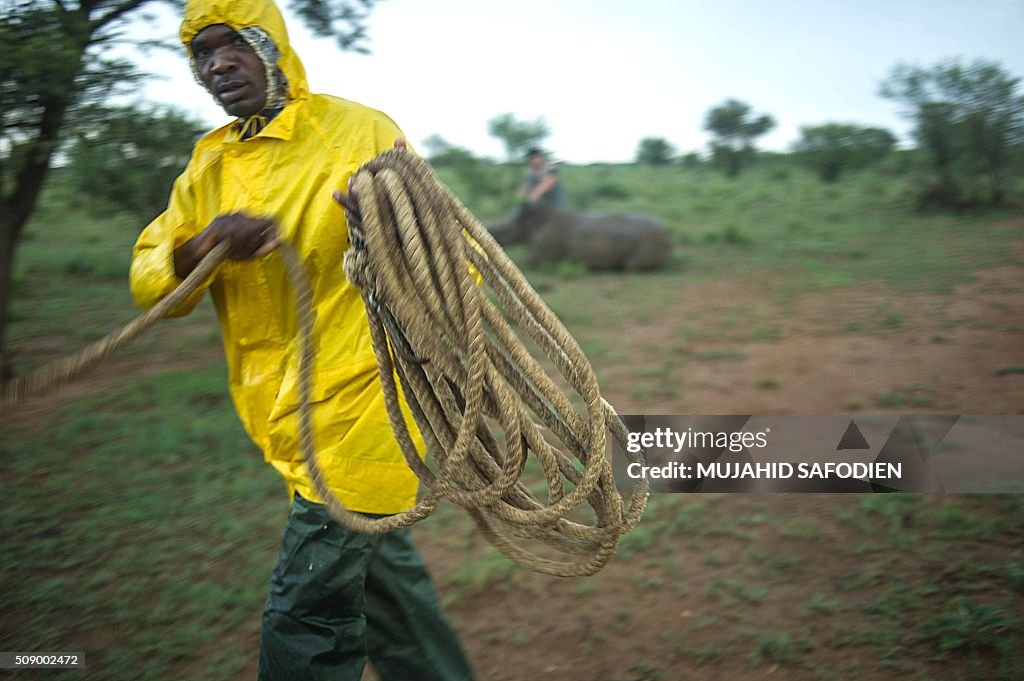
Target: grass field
[(140, 526)]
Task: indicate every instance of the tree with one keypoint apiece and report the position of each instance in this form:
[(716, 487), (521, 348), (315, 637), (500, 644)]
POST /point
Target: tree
[(517, 136), (343, 20), (654, 151), (472, 173), (968, 119), (52, 70), (129, 157), (831, 148), (691, 160), (735, 129)]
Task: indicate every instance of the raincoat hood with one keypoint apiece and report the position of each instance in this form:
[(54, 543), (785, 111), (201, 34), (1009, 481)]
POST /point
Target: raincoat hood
[(240, 14)]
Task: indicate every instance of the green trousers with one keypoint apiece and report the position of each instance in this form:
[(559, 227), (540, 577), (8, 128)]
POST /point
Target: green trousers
[(338, 597)]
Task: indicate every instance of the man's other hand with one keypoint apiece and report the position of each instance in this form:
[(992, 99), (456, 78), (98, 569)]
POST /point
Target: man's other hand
[(247, 237)]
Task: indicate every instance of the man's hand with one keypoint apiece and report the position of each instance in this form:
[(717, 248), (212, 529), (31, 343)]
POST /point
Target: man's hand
[(247, 237), (350, 202)]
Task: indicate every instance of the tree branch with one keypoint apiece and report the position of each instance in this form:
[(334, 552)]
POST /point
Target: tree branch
[(116, 13)]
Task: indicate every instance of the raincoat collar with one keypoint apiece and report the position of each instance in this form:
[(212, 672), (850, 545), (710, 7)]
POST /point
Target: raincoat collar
[(280, 127)]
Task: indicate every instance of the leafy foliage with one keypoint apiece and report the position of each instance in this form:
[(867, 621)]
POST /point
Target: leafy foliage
[(831, 148), (970, 626), (130, 157), (516, 135), (474, 175), (340, 19), (735, 128), (654, 151), (691, 160), (54, 75), (969, 123)]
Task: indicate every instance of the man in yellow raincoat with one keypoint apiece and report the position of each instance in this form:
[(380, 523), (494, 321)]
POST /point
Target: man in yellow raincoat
[(336, 596)]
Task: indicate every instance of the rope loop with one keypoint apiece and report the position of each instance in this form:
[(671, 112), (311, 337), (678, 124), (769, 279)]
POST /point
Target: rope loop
[(485, 405)]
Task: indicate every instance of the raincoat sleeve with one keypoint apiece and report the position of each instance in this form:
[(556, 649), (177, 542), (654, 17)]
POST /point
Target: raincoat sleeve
[(152, 273)]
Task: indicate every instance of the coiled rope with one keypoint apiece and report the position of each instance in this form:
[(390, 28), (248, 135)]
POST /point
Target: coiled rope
[(468, 379)]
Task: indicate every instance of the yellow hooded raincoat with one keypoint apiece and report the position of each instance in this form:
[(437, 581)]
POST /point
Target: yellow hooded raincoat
[(287, 171)]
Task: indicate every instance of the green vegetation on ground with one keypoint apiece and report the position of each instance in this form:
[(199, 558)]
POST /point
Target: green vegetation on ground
[(140, 525)]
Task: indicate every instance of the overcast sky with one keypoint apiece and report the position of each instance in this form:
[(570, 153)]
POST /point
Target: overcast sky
[(605, 74)]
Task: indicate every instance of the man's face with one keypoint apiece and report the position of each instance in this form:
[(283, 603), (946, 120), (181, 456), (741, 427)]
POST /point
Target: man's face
[(537, 161), (230, 70)]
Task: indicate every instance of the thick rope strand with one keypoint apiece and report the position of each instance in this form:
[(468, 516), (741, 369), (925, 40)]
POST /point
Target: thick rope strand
[(51, 376)]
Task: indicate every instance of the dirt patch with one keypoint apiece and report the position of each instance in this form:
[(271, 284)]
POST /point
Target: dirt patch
[(833, 352), (773, 600)]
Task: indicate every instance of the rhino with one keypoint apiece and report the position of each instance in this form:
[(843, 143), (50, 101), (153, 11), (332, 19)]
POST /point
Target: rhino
[(600, 241)]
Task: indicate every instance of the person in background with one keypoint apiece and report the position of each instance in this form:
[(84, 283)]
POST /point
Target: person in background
[(541, 184)]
